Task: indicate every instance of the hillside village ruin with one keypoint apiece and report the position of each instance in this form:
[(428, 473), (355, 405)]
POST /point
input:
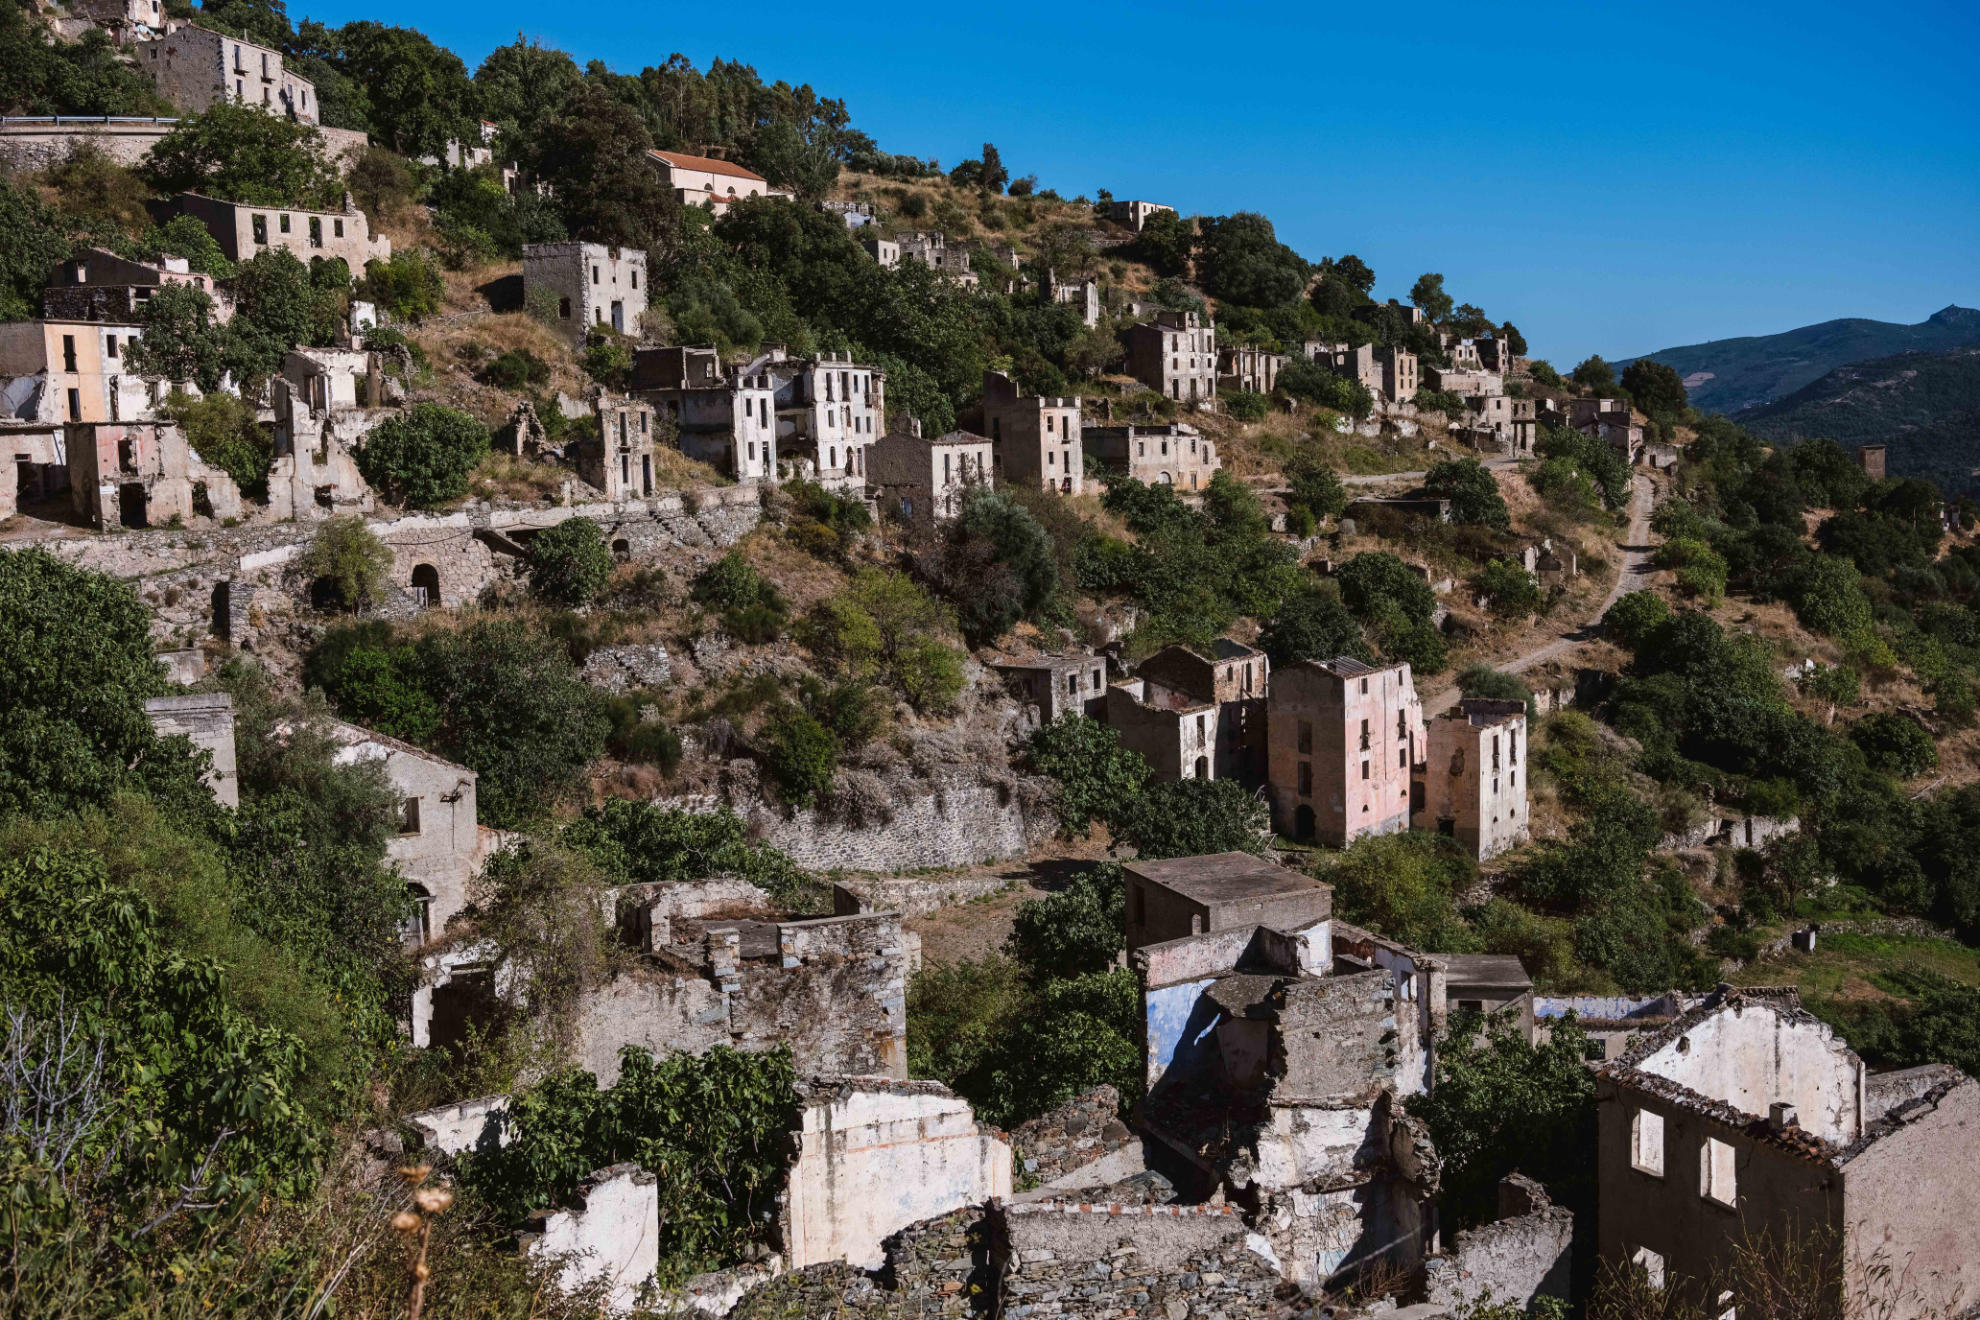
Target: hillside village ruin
[(1271, 1153)]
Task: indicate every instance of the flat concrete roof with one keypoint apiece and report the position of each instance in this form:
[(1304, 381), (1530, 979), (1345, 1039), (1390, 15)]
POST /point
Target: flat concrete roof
[(1229, 877), (1494, 970)]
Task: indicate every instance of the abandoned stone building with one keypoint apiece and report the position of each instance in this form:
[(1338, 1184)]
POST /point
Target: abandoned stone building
[(1466, 382), (143, 474), (722, 967), (244, 232), (1246, 367), (128, 21), (724, 419), (1463, 353), (96, 285), (1056, 685), (1490, 984), (34, 463), (829, 411), (710, 183), (1236, 679), (1500, 423), (1278, 1046), (578, 286), (618, 457), (1036, 440), (1168, 454), (196, 69), (1747, 1119), (206, 719), (1175, 355), (885, 251), (1472, 784), (1174, 730), (1495, 354), (1870, 458), (921, 478), (1344, 740), (325, 402), (1135, 214), (65, 371), (1081, 295), (1384, 370), (951, 261)]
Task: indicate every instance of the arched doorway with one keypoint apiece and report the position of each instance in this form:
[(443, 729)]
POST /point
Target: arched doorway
[(622, 549), (426, 586), (1202, 767)]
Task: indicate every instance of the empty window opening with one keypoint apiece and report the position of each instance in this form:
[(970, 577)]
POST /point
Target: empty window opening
[(409, 816), (1646, 1143), (1717, 1178)]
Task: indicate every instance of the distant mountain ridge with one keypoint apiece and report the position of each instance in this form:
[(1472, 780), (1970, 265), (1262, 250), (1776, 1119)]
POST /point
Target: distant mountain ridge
[(1924, 407), (1732, 375)]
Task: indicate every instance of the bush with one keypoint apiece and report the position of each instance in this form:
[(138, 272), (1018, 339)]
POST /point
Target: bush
[(569, 563), (349, 560), (517, 369), (1633, 617), (1098, 778), (1895, 745), (801, 755), (1312, 625), (1405, 886), (1701, 570), (1075, 931), (1472, 490), (421, 458), (1245, 405), (881, 626), (223, 431), (408, 287), (1190, 817), (636, 843), (608, 358), (1511, 591), (1484, 681)]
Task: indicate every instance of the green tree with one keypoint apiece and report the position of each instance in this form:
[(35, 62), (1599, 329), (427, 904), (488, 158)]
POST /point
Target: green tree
[(1472, 490), (1316, 487), (40, 75), (33, 242), (593, 158), (76, 663), (422, 457), (184, 236), (345, 555), (240, 153), (1633, 616), (1515, 341), (1098, 778), (1075, 931), (1895, 745), (416, 96), (1501, 1105), (1512, 591), (639, 843), (1312, 625), (1595, 374), (882, 625), (1429, 297), (181, 340), (223, 431), (523, 85), (1405, 886), (1827, 595), (801, 755), (1240, 259), (409, 286), (1164, 243), (281, 304), (1375, 578), (1190, 817), (569, 564), (513, 710), (1655, 388), (998, 565)]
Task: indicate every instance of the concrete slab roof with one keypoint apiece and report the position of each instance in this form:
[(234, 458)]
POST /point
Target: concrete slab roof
[(1494, 970), (1228, 877)]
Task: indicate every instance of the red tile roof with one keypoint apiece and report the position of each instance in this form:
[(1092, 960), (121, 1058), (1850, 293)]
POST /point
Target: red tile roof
[(706, 164)]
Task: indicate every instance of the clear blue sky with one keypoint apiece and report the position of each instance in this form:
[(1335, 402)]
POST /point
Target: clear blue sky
[(1612, 177)]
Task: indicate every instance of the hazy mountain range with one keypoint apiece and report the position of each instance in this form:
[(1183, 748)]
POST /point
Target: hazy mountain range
[(1732, 375)]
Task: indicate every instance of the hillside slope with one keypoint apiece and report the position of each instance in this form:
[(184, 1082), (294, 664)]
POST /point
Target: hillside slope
[(1924, 406), (1729, 375)]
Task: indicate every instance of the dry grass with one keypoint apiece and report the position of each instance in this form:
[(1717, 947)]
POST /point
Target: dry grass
[(503, 476)]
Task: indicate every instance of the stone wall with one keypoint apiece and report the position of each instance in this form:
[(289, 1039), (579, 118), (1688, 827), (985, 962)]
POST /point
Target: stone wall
[(1523, 1255), (610, 1233), (37, 143), (941, 1267), (913, 896), (1077, 1133), (1062, 1259)]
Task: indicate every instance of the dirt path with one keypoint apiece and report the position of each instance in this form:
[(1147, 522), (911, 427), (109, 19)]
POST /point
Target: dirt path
[(1377, 478), (1635, 572)]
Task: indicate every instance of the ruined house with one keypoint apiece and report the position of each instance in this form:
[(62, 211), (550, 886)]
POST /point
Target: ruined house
[(833, 989), (1490, 984), (1500, 423), (1472, 784), (1870, 459), (618, 457), (829, 412), (722, 418), (923, 478), (1035, 440), (1175, 355), (207, 720), (713, 184), (325, 401), (1135, 214), (1236, 679), (1173, 898), (98, 285), (34, 462), (1747, 1116), (1245, 367), (1277, 1054), (1468, 382), (935, 251), (64, 371), (1343, 740), (245, 232), (1055, 685), (1174, 730), (1495, 354), (196, 69), (1081, 295), (143, 474), (1166, 454), (581, 285)]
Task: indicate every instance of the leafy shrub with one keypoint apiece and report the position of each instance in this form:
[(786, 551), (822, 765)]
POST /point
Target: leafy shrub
[(352, 562), (881, 626), (1634, 615), (1245, 405), (1511, 590), (223, 431), (1190, 817), (801, 755), (1098, 778), (569, 563), (1472, 490), (1482, 680), (1895, 745), (608, 358), (1075, 931), (751, 608), (422, 457), (408, 286), (1312, 625), (637, 843), (516, 369), (1405, 886)]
